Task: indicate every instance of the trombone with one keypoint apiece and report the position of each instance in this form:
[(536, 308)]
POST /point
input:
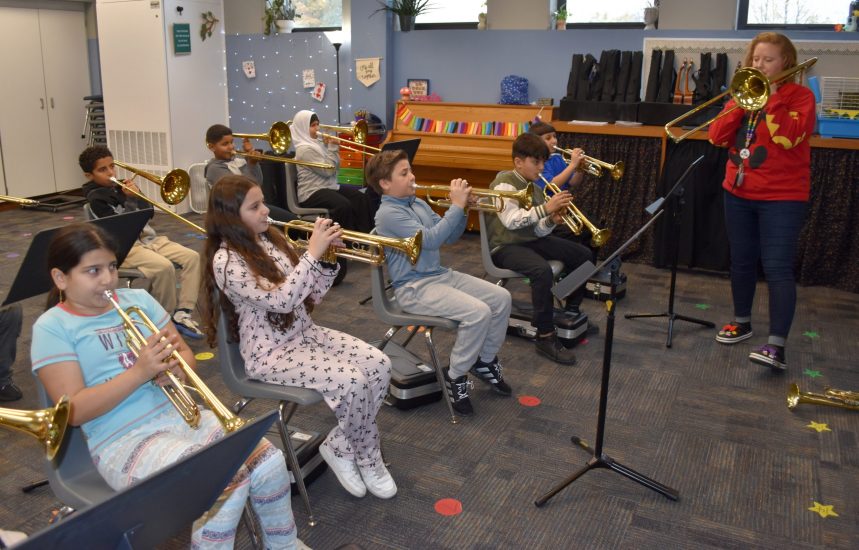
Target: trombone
[(575, 220), (525, 197), (279, 137), (830, 397), (175, 391), (19, 201), (261, 156), (595, 166), (750, 90), (373, 254), (359, 134), (46, 425), (141, 196)]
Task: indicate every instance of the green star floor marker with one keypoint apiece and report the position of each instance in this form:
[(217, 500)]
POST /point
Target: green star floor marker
[(811, 334), (703, 306), (812, 373)]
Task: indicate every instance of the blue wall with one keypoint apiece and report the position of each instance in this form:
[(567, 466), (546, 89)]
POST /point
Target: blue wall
[(462, 65)]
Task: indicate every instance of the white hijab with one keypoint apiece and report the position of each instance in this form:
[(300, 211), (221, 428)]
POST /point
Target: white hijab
[(300, 131)]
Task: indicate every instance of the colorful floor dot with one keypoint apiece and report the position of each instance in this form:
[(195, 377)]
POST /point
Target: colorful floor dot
[(12, 255), (529, 400), (68, 218), (448, 507), (204, 356)]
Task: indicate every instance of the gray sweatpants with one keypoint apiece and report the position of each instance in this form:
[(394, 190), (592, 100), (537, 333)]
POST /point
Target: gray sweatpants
[(481, 308)]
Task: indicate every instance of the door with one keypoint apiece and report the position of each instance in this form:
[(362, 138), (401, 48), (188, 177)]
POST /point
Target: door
[(66, 67), (25, 136)]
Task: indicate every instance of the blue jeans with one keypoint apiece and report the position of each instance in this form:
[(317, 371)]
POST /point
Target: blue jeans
[(767, 231)]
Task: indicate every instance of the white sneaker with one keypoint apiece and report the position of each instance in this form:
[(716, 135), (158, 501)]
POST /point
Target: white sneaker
[(378, 481), (346, 471), (299, 545)]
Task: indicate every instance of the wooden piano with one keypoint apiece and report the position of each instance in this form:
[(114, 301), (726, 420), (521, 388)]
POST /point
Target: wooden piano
[(442, 157)]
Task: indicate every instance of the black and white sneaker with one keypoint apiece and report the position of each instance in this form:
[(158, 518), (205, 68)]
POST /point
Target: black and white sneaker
[(491, 374), (457, 393)]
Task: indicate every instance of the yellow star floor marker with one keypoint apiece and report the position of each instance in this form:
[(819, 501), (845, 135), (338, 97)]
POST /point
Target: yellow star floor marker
[(819, 426), (823, 510)]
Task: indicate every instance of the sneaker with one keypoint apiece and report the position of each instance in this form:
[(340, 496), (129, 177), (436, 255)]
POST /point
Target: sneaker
[(186, 324), (457, 392), (346, 471), (491, 374), (10, 392), (379, 481), (299, 545), (551, 347), (734, 332), (771, 356)]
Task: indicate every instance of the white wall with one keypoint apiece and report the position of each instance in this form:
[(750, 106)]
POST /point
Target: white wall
[(697, 14), (518, 14), (243, 16)]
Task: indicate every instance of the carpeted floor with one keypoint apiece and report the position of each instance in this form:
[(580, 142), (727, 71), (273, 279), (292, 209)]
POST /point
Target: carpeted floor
[(697, 417)]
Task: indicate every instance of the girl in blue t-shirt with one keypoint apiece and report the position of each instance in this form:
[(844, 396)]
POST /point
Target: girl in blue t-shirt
[(132, 431)]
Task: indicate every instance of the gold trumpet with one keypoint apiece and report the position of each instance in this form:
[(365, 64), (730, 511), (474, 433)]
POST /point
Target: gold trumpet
[(373, 254), (750, 89), (524, 197), (261, 156), (575, 220), (830, 397), (20, 201), (46, 425), (595, 166), (175, 391), (279, 137)]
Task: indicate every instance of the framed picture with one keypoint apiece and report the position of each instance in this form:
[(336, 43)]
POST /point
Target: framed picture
[(418, 86)]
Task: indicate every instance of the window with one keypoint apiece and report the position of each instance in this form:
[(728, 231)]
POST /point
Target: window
[(451, 11), (316, 14), (792, 13), (606, 11)]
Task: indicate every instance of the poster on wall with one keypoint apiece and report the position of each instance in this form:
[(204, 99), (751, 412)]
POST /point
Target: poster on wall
[(367, 70), (318, 92), (308, 77), (249, 68)]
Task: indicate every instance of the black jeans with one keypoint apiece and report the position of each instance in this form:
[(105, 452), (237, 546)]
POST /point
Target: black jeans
[(11, 320), (531, 260), (347, 206)]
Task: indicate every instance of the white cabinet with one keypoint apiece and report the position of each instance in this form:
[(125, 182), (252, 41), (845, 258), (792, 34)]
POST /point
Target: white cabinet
[(46, 76)]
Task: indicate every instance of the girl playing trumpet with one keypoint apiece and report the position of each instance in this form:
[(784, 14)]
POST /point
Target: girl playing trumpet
[(267, 292), (79, 349)]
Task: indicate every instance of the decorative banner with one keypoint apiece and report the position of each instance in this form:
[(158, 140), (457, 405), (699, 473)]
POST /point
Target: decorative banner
[(367, 70), (318, 92), (308, 77), (249, 68), (420, 124)]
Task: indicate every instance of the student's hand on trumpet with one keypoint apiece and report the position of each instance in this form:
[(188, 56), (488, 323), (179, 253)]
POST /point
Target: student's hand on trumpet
[(326, 233), (155, 357), (558, 202), (460, 193), (576, 157)]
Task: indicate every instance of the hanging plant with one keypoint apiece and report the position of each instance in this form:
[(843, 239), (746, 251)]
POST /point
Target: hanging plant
[(209, 22)]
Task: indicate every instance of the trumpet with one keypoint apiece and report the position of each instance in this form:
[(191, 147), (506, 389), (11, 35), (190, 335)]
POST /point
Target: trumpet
[(524, 197), (46, 425), (750, 89), (575, 220), (595, 166), (374, 253), (830, 397), (19, 201), (175, 390), (279, 137), (261, 156)]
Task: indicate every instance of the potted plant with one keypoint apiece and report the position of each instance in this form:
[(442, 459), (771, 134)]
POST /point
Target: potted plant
[(406, 11), (651, 15), (279, 14), (560, 18)]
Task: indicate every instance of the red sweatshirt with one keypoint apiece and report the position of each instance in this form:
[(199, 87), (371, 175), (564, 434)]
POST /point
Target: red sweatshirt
[(779, 165)]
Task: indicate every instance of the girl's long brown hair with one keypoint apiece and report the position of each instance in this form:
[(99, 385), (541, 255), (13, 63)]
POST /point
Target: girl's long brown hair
[(224, 225), (68, 246)]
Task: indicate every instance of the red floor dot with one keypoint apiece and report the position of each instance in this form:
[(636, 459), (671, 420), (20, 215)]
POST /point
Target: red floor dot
[(529, 400), (67, 218), (448, 507)]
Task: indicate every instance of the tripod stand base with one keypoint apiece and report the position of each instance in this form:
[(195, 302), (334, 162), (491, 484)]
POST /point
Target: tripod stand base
[(604, 461), (671, 318)]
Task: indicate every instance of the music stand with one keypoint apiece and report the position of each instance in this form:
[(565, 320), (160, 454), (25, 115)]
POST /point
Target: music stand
[(676, 193), (33, 277), (161, 505), (410, 146), (599, 459)]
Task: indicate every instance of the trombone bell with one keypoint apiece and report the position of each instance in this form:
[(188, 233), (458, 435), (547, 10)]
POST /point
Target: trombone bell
[(279, 137), (174, 186), (46, 425)]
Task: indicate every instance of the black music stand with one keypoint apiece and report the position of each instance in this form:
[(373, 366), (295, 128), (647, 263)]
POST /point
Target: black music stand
[(410, 146), (160, 506), (675, 195), (599, 459), (33, 277)]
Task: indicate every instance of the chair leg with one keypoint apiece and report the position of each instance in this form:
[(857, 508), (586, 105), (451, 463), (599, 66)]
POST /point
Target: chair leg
[(286, 410), (389, 336), (248, 517), (241, 404), (438, 374)]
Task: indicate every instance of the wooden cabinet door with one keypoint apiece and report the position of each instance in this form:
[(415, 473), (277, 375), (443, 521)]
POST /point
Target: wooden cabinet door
[(66, 67), (25, 135)]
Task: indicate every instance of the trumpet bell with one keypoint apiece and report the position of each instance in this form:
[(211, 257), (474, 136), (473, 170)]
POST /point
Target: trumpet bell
[(46, 425)]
